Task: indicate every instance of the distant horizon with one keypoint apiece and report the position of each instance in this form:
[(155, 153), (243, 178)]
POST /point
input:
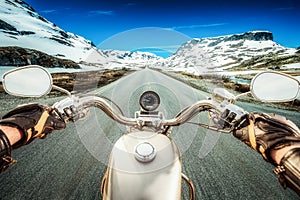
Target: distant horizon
[(100, 20)]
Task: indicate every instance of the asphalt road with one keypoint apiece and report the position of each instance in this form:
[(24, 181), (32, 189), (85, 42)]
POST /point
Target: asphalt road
[(69, 164)]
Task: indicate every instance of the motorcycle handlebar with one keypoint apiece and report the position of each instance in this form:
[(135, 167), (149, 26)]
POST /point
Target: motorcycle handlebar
[(83, 102), (190, 112), (98, 102)]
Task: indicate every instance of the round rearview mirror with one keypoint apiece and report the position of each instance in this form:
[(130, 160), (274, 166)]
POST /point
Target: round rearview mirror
[(28, 81), (274, 87)]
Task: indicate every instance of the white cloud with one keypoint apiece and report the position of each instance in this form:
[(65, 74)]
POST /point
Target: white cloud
[(283, 8), (101, 12), (48, 11), (198, 26)]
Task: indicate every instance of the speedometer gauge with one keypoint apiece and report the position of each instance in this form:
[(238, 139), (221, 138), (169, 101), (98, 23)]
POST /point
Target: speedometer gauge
[(149, 101)]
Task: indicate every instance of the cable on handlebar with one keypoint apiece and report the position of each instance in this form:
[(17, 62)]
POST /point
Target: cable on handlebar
[(210, 127)]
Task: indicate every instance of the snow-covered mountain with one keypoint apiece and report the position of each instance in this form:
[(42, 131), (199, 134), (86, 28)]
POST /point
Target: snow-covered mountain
[(22, 29), (22, 26), (224, 52), (118, 59)]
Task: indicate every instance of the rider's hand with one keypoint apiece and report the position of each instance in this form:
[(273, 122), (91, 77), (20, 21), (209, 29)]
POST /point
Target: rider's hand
[(34, 120), (267, 132)]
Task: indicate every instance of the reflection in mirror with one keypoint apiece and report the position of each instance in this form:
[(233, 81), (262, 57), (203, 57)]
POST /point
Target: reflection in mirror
[(274, 87), (30, 81)]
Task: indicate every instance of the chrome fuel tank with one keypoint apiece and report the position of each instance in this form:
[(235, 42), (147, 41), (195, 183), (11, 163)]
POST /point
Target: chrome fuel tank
[(143, 165)]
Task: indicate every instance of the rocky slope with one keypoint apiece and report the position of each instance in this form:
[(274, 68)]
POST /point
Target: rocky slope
[(17, 56), (22, 26)]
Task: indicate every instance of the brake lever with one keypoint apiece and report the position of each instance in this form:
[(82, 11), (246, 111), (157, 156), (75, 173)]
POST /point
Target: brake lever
[(70, 110)]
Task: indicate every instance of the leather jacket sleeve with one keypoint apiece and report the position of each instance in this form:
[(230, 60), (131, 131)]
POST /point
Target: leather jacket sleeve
[(5, 152), (289, 170)]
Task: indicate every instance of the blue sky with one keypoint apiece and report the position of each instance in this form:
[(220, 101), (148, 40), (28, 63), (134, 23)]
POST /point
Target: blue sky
[(100, 19)]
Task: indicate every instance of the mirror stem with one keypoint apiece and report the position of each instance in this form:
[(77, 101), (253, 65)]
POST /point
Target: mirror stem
[(241, 95), (62, 90)]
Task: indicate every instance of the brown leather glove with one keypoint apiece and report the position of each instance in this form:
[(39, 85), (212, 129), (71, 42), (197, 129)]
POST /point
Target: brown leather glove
[(34, 120), (265, 132)]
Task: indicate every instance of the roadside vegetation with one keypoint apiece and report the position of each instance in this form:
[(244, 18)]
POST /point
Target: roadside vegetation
[(84, 81), (207, 83), (269, 61)]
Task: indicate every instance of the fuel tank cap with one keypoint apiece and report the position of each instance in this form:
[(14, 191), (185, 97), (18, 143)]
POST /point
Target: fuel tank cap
[(144, 152)]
